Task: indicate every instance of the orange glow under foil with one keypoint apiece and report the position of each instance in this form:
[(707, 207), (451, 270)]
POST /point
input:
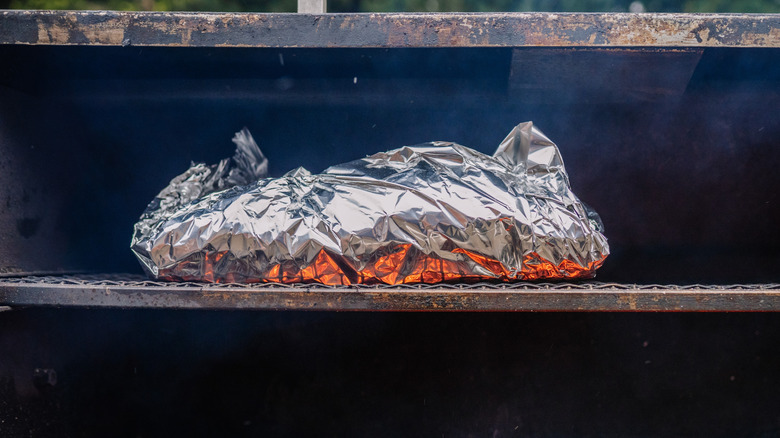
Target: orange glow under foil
[(404, 265)]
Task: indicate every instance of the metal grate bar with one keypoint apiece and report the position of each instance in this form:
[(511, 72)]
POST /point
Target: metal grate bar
[(132, 291)]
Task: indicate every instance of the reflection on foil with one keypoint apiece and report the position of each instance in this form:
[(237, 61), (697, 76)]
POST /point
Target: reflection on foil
[(427, 213)]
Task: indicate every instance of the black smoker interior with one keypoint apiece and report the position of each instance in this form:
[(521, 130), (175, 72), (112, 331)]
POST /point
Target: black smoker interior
[(675, 148)]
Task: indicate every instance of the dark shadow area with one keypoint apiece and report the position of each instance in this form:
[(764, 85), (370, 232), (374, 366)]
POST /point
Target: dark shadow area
[(197, 373)]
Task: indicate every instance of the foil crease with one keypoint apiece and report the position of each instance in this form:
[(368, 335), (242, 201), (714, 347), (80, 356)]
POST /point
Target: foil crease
[(428, 213)]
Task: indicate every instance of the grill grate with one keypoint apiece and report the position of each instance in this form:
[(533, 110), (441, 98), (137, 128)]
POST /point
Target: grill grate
[(139, 281), (135, 291)]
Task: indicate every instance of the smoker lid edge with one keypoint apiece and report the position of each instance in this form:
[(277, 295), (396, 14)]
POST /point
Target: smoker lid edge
[(387, 30)]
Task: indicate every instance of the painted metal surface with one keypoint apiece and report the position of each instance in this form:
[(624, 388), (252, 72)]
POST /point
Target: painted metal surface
[(388, 29), (529, 297), (312, 6)]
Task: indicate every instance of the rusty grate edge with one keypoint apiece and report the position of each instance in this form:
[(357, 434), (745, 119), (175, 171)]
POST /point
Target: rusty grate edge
[(132, 291), (139, 281)]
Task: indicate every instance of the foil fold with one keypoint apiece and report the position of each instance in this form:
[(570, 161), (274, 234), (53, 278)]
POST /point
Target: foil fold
[(428, 213)]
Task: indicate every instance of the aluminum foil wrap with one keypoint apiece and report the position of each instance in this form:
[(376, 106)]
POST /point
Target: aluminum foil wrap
[(419, 214)]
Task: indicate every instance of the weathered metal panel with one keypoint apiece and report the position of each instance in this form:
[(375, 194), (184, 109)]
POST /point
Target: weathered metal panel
[(603, 74), (31, 186), (388, 30), (529, 297)]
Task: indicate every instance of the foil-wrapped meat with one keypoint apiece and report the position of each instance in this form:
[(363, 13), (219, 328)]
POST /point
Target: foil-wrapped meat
[(428, 213)]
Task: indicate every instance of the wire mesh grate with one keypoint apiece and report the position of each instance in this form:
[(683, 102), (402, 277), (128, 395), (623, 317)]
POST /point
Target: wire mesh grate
[(132, 280)]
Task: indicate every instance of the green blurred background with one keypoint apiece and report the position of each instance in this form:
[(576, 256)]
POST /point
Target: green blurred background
[(756, 6)]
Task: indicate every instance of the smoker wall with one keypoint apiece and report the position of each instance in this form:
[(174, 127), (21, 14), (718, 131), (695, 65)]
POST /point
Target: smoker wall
[(674, 148)]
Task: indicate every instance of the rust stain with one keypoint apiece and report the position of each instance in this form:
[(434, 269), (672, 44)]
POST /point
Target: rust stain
[(628, 299), (43, 34), (186, 36), (346, 25), (52, 34), (104, 35), (773, 38)]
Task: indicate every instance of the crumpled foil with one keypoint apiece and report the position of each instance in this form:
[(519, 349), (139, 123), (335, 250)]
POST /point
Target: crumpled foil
[(419, 214)]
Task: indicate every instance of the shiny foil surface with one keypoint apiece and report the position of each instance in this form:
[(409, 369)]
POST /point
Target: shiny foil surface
[(428, 213)]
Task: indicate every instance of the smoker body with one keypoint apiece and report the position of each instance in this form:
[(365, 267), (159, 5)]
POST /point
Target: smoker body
[(667, 125)]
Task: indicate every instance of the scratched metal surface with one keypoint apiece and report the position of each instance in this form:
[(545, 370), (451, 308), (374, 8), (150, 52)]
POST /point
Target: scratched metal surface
[(129, 291), (388, 29)]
